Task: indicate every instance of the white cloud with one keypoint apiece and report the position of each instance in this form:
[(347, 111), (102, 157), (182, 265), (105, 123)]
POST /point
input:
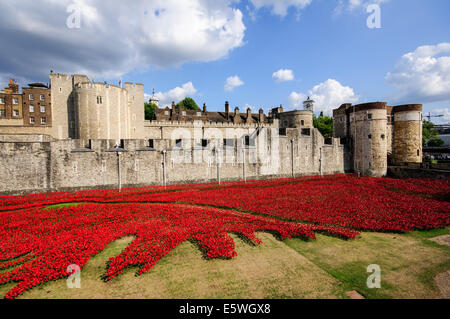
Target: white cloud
[(328, 95), (116, 37), (283, 75), (280, 7), (441, 120), (423, 75), (176, 95), (232, 83), (353, 5)]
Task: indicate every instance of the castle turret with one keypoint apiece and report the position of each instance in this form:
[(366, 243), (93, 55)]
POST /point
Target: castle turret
[(368, 130), (154, 99), (407, 135), (308, 105)]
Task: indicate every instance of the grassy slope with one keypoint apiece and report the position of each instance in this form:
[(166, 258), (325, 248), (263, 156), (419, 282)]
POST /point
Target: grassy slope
[(325, 268)]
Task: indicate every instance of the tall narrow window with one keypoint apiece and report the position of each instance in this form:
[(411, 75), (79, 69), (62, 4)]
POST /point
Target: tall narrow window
[(15, 101), (15, 113), (42, 109), (31, 108), (31, 97), (42, 97), (43, 120), (32, 120), (99, 100), (2, 100)]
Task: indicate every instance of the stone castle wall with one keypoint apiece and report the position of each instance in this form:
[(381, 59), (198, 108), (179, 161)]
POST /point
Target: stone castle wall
[(370, 141), (407, 137), (67, 164)]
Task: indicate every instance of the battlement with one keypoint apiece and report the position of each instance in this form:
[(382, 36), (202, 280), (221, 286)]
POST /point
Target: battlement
[(207, 124), (407, 108), (60, 76)]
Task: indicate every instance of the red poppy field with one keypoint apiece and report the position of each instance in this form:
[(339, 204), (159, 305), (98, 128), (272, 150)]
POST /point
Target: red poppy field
[(37, 244)]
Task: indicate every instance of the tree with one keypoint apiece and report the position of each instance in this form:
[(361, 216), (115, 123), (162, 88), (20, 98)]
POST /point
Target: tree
[(189, 104), (324, 124), (436, 142), (150, 111), (430, 135)]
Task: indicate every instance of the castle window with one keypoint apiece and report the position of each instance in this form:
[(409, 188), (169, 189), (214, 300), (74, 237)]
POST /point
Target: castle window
[(43, 120), (16, 113), (151, 143), (2, 113), (247, 140), (183, 113), (42, 97), (42, 109), (99, 100), (228, 142), (418, 152), (383, 136), (369, 116), (306, 131), (32, 120), (370, 136), (2, 100), (31, 108), (15, 101), (282, 132), (302, 122), (179, 143)]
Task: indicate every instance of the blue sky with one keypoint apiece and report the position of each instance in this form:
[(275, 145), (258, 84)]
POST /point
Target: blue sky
[(324, 46)]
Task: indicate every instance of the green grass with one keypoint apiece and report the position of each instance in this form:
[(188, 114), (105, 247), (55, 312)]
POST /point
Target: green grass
[(409, 262), (62, 206), (324, 268)]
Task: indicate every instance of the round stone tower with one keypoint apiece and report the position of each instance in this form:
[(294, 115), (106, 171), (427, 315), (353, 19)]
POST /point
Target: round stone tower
[(368, 125), (407, 135)]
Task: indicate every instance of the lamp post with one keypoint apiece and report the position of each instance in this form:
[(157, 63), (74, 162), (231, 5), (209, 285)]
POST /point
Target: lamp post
[(292, 158), (164, 167), (119, 171), (243, 164), (218, 164), (118, 150)]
